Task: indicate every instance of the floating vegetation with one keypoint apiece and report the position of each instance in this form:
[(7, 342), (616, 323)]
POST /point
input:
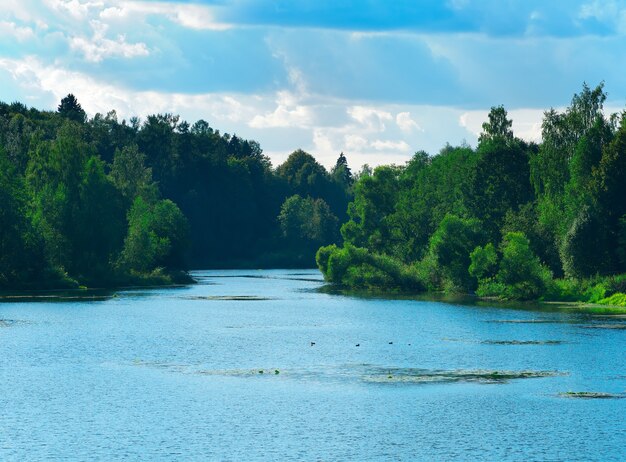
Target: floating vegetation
[(363, 372), (236, 372), (605, 326), (507, 342), (161, 365), (522, 342), (591, 395), (191, 369), (422, 376), (12, 322), (241, 298), (525, 321)]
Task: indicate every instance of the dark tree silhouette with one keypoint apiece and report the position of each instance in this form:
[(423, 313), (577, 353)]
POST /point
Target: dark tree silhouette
[(71, 109)]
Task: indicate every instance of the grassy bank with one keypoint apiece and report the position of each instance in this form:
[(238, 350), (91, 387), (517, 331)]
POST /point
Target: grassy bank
[(357, 271)]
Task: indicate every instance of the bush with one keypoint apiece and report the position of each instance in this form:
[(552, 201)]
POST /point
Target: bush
[(322, 256), (520, 275), (484, 262), (357, 268), (618, 299), (451, 245)]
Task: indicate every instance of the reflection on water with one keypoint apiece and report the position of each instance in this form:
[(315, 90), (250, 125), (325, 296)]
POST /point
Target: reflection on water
[(262, 365)]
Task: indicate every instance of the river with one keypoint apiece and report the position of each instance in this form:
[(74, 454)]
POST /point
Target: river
[(261, 365)]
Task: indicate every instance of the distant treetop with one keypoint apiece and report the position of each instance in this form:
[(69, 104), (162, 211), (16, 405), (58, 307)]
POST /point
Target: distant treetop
[(71, 109)]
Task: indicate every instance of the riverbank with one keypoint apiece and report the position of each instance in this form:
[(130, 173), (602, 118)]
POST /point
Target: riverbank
[(472, 299), (63, 287)]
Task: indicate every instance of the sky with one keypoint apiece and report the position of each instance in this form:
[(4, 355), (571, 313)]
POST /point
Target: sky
[(375, 79)]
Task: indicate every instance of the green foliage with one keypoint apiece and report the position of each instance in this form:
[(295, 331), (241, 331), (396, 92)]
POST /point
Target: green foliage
[(450, 247), (306, 177), (307, 219), (618, 299), (356, 267), (374, 199), (21, 257), (430, 188), (499, 182), (520, 270), (341, 172), (484, 262), (95, 199), (498, 126), (129, 173), (71, 109), (583, 250), (323, 255), (157, 236), (99, 223), (574, 144)]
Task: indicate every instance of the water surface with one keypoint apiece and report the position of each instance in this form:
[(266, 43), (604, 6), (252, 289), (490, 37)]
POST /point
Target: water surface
[(259, 365)]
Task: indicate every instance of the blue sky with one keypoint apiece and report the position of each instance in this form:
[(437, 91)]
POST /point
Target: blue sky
[(376, 79)]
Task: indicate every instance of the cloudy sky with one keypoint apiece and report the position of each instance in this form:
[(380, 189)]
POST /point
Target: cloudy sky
[(376, 79)]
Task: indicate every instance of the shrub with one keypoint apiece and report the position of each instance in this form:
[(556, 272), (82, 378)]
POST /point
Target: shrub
[(520, 269), (322, 256), (618, 299), (451, 245), (484, 262), (357, 268)]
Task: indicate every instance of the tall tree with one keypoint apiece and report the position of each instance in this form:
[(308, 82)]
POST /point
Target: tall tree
[(70, 109)]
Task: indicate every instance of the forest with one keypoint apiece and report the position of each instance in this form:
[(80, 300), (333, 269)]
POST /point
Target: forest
[(509, 219), (100, 202)]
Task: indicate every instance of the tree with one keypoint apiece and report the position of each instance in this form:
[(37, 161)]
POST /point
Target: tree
[(70, 109), (498, 126), (307, 177), (129, 173), (308, 222), (21, 256), (304, 174), (484, 262), (499, 183), (157, 236), (341, 173), (375, 197), (450, 247), (520, 271), (99, 223)]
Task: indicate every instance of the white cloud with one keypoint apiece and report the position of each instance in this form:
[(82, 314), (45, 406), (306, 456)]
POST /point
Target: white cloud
[(281, 121), (50, 83), (283, 117), (191, 16), (76, 8), (98, 47), (607, 12), (18, 32), (355, 143), (389, 145), (370, 117), (288, 113), (406, 123)]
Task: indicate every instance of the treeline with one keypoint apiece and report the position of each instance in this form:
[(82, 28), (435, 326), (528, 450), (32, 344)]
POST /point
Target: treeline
[(509, 219), (102, 202)]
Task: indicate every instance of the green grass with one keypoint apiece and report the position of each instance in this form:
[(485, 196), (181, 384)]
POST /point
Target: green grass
[(618, 299)]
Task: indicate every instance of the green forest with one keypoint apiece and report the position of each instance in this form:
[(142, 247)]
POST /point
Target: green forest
[(105, 203), (509, 219), (100, 202)]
